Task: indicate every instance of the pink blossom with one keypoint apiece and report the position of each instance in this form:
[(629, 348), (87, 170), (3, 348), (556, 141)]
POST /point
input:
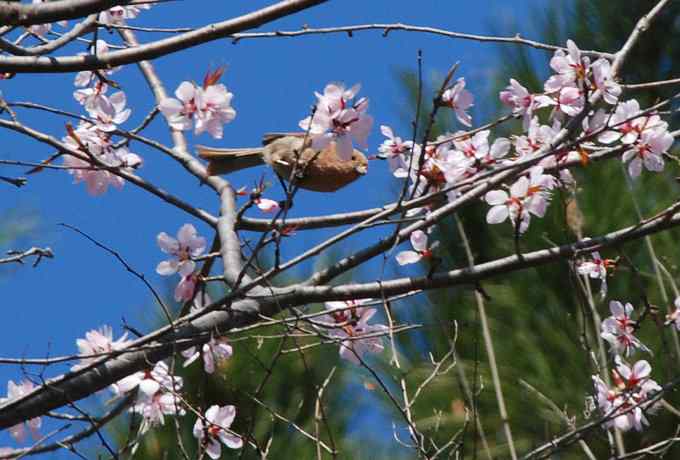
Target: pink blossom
[(619, 329), (528, 195), (181, 111), (627, 124), (97, 177), (215, 351), (571, 68), (522, 102), (626, 402), (537, 136), (267, 205), (154, 408), (648, 151), (352, 323), (395, 150), (209, 107), (597, 269), (98, 341), (149, 382), (421, 250), (603, 81), (214, 428), (182, 250), (118, 14), (15, 391), (460, 100), (674, 316), (92, 96), (215, 110), (337, 119), (109, 111), (477, 148), (184, 291), (568, 100)]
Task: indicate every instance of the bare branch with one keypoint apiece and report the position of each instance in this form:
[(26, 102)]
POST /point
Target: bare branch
[(155, 49), (18, 257)]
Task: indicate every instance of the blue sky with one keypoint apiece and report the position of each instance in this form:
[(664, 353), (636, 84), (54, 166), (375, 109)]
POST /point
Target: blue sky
[(273, 81)]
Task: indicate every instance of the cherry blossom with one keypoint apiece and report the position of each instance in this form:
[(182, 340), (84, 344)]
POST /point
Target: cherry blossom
[(597, 269), (215, 110), (92, 141), (648, 151), (14, 391), (536, 137), (98, 341), (149, 382), (421, 249), (528, 195), (568, 100), (395, 150), (208, 106), (570, 67), (215, 351), (182, 250), (619, 330), (352, 322), (603, 81), (337, 118), (91, 97), (627, 124), (110, 111), (477, 148), (521, 100), (154, 408), (118, 14), (184, 291), (213, 429), (460, 100), (626, 402), (674, 316), (267, 205), (181, 111)]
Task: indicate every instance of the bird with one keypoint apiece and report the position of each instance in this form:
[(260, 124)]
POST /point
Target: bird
[(318, 170)]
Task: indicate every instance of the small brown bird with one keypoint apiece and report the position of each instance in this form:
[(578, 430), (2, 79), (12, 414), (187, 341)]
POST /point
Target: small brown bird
[(321, 171)]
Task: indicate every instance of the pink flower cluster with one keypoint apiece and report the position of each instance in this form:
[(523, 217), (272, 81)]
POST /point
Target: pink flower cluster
[(157, 389), (421, 249), (100, 157), (528, 196), (215, 351), (98, 342), (14, 390), (338, 119), (645, 136), (157, 394), (626, 402), (213, 428), (182, 250), (619, 330), (205, 108), (117, 15), (597, 268), (347, 322)]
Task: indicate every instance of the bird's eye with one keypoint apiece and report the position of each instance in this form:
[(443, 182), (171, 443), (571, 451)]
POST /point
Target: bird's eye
[(354, 157)]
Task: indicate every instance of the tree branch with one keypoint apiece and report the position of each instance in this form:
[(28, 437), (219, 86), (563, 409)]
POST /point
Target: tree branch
[(155, 49)]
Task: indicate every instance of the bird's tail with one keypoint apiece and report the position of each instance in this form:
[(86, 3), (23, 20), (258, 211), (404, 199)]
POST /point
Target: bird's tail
[(224, 161)]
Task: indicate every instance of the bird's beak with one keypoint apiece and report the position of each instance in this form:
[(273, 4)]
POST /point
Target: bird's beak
[(361, 169)]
